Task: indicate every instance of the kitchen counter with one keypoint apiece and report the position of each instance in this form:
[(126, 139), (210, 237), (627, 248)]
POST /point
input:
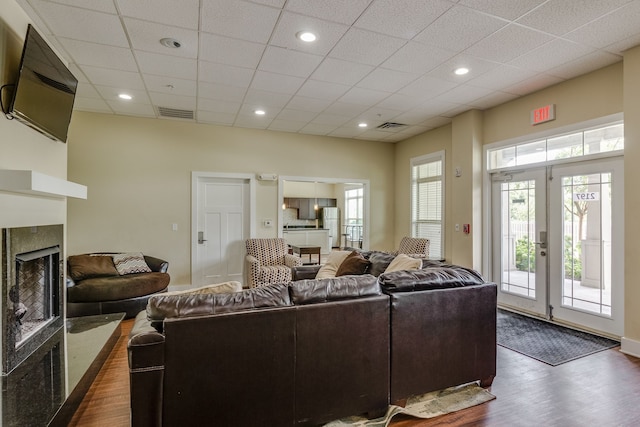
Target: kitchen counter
[(308, 236)]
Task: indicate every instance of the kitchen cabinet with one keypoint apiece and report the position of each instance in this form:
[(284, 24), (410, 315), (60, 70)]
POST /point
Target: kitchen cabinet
[(306, 206)]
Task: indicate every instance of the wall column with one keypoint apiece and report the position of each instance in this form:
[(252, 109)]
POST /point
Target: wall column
[(466, 189)]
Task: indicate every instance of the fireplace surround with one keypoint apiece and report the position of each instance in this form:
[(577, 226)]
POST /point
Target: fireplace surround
[(32, 289)]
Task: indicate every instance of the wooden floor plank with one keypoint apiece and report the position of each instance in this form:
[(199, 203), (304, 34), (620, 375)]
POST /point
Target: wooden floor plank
[(601, 389)]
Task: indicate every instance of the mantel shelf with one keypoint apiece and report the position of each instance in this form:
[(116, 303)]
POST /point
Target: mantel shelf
[(39, 184)]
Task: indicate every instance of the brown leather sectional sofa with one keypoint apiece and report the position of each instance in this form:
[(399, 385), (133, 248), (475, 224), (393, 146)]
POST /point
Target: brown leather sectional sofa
[(310, 351)]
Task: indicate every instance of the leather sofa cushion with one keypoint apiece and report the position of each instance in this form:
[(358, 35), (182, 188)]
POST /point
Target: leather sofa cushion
[(441, 277), (379, 261), (114, 288), (161, 306), (333, 289), (86, 266)]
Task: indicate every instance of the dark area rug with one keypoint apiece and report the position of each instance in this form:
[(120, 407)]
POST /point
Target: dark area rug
[(547, 342)]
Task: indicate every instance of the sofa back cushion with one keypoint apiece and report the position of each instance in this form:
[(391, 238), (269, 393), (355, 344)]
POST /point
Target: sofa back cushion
[(379, 261), (86, 266), (162, 306), (440, 277), (310, 291)]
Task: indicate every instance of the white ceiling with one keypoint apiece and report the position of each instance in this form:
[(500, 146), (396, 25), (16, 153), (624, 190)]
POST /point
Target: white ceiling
[(374, 60)]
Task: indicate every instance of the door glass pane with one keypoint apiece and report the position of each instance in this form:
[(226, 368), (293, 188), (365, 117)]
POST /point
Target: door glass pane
[(518, 231), (587, 243)]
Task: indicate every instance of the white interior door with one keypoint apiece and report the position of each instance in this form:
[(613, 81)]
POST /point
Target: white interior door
[(519, 239), (222, 223), (587, 272)]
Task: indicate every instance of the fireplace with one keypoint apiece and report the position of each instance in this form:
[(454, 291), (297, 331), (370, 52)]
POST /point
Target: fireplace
[(32, 271)]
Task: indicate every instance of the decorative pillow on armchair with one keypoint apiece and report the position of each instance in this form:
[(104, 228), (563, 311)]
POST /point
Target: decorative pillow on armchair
[(129, 263)]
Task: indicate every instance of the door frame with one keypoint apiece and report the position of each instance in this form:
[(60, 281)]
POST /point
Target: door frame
[(196, 176)]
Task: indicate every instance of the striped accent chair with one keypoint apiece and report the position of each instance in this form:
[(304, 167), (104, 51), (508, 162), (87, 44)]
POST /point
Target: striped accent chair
[(268, 261), (415, 246)]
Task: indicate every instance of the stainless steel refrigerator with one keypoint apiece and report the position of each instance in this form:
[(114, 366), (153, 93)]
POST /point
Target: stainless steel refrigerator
[(331, 221)]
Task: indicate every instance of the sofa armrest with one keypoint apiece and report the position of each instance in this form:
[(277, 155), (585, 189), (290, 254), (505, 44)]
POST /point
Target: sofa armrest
[(292, 260), (304, 272), (156, 264), (146, 372)]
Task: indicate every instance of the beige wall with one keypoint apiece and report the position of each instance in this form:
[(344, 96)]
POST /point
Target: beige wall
[(21, 146), (138, 174)]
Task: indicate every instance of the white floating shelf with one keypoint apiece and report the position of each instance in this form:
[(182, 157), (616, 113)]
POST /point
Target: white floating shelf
[(39, 184)]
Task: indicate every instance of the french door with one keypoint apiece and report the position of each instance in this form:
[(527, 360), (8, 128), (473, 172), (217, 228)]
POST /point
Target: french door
[(558, 242)]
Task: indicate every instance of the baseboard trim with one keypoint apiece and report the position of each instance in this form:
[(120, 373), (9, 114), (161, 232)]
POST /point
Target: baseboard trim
[(630, 347)]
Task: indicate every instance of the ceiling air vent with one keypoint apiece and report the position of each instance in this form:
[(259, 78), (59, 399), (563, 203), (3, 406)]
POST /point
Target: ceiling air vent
[(391, 126), (175, 113)]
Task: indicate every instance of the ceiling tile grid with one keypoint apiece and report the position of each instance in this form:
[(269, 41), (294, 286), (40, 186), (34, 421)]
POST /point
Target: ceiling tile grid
[(373, 60)]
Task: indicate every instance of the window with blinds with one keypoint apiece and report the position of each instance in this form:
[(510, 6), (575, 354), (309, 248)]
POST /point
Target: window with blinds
[(427, 201)]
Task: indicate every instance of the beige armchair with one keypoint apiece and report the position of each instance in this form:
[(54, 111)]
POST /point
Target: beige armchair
[(268, 261), (415, 246)]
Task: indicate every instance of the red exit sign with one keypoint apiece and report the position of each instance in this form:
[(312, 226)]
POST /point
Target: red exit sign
[(543, 114)]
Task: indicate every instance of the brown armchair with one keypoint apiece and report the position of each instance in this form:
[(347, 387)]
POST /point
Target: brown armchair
[(269, 261)]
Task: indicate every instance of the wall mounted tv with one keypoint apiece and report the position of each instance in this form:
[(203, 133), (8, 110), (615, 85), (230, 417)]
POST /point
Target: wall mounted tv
[(45, 90)]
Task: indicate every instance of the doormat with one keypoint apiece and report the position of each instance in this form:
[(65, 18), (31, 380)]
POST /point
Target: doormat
[(547, 342), (424, 406)]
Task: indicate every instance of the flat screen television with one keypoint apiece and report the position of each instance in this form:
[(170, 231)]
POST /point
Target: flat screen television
[(45, 91)]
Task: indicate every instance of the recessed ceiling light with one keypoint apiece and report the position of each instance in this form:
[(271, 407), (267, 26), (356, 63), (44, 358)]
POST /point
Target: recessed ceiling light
[(260, 112), (169, 42), (125, 96), (461, 71), (306, 36), (362, 125)]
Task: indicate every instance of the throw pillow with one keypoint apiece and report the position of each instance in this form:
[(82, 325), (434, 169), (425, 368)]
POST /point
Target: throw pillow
[(330, 267), (129, 263), (218, 288), (86, 266), (404, 262), (354, 263)]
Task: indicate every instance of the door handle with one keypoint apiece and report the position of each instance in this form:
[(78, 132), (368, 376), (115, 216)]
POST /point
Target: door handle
[(201, 238), (543, 240)]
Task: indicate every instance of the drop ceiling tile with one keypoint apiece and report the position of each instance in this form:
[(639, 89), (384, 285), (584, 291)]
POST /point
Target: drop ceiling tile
[(110, 93), (317, 129), (86, 90), (225, 119), (99, 55), (562, 16), (476, 66), (435, 122), (289, 62), (401, 18), (91, 104), (218, 106), (263, 98), (459, 28), (165, 65), (334, 120), (493, 99), (410, 118), (250, 120), (618, 25), (378, 115), (417, 58), (341, 109), (113, 78), (584, 64), (366, 47), (322, 90), (221, 92), (224, 74), (97, 5), (132, 109), (531, 85), (286, 125), (401, 102), (170, 85), (179, 102), (347, 131), (147, 35), (82, 24), (620, 46), (362, 96), (499, 77), (427, 86), (78, 73), (273, 3), (464, 94), (214, 48), (339, 71), (178, 13), (331, 10), (278, 83), (288, 114), (387, 80), (508, 43), (551, 55), (304, 103), (238, 19), (289, 24), (508, 9), (455, 111)]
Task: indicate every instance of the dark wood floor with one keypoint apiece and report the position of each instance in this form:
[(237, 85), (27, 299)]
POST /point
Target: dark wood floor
[(598, 390)]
